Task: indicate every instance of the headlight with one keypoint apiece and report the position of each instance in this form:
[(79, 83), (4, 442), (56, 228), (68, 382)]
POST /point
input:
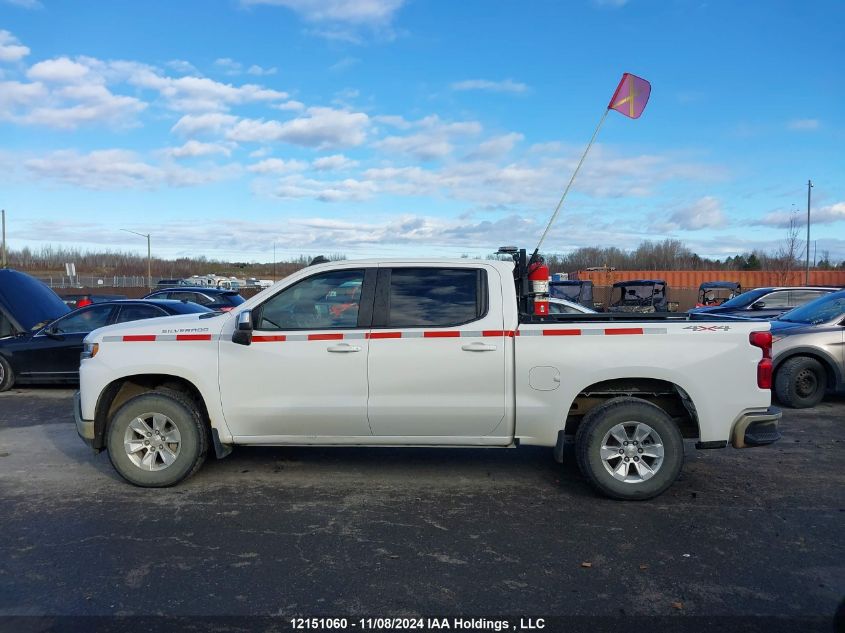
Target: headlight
[(89, 350)]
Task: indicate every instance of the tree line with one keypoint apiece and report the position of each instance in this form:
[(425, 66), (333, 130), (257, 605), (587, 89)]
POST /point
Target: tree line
[(668, 254)]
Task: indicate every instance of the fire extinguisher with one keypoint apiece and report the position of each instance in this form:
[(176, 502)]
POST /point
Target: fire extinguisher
[(538, 277)]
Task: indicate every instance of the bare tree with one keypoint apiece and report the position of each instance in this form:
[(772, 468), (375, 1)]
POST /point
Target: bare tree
[(787, 256)]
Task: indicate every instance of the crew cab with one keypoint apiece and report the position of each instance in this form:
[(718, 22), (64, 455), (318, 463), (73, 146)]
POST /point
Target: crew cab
[(419, 352)]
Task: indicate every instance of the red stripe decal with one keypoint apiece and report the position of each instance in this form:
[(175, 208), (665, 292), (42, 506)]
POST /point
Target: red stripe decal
[(384, 335), (137, 338), (624, 330), (193, 337), (561, 332), (269, 338), (325, 337), (495, 333), (449, 334)]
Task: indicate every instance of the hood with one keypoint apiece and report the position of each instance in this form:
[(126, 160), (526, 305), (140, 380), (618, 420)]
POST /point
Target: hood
[(785, 328), (26, 302), (165, 327)]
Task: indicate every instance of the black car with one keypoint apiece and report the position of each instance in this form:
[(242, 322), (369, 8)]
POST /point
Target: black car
[(86, 299), (50, 353), (212, 298), (766, 303), (26, 302)]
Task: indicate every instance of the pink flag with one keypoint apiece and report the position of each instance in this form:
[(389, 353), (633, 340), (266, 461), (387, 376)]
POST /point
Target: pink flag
[(631, 96)]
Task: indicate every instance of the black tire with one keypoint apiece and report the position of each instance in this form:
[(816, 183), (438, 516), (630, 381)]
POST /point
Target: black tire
[(801, 382), (599, 422), (183, 414), (7, 375)]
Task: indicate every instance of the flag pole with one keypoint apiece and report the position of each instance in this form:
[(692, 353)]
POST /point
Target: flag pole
[(571, 180)]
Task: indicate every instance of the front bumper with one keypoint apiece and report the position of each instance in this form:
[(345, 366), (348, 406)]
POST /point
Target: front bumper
[(85, 428), (756, 428)]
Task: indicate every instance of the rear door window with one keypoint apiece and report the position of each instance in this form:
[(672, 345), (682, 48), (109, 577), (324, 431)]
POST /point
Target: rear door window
[(138, 312), (435, 297), (800, 297), (775, 300)]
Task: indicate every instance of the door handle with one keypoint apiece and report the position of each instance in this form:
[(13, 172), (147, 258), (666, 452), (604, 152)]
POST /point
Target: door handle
[(478, 347), (343, 348)]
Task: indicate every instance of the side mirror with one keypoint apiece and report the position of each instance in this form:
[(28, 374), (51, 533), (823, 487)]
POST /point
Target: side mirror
[(758, 305), (243, 330)]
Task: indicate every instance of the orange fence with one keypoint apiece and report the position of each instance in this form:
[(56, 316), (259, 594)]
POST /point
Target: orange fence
[(694, 278)]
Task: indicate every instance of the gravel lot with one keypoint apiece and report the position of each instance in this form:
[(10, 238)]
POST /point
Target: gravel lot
[(311, 532)]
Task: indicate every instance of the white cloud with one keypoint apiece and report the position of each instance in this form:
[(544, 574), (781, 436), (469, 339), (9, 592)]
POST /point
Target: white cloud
[(183, 67), (277, 166), (119, 169), (347, 190), (11, 50), (434, 141), (229, 65), (59, 70), (196, 94), (804, 125), (294, 106), (507, 85), (823, 215), (259, 71), (194, 149), (705, 213), (497, 146), (357, 12), (321, 128), (336, 162), (210, 123), (25, 4)]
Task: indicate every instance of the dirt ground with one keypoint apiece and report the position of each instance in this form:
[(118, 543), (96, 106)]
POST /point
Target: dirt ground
[(309, 532)]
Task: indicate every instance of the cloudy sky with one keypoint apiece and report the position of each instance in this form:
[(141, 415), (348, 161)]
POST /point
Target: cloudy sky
[(378, 127)]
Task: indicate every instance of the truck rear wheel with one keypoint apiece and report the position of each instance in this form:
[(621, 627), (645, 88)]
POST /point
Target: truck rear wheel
[(801, 382), (629, 449), (157, 439)]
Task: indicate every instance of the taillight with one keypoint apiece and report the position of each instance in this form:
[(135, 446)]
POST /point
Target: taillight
[(84, 302), (763, 340)]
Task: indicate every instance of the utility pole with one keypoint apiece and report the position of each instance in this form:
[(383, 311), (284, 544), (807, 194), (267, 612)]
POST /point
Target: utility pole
[(149, 257), (3, 213), (807, 275), (274, 262)]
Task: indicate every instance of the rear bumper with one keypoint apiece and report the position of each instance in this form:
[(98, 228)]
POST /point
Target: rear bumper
[(756, 428), (85, 428)]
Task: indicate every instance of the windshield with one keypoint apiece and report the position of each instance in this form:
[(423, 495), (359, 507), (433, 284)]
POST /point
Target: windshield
[(568, 292), (746, 298), (821, 310), (636, 295)]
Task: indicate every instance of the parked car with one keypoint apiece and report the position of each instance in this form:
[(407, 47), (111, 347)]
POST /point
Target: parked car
[(767, 303), (575, 291), (639, 295), (809, 351), (715, 293), (437, 353), (562, 306), (50, 353), (86, 299), (212, 298), (26, 303)]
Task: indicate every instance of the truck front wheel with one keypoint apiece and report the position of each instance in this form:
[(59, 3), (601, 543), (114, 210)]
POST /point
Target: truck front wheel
[(629, 449), (157, 439)]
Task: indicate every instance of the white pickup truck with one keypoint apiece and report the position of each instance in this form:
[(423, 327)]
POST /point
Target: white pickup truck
[(420, 352)]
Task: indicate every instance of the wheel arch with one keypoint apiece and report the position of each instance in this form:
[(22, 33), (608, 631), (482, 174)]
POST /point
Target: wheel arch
[(832, 369), (122, 389), (666, 394)]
